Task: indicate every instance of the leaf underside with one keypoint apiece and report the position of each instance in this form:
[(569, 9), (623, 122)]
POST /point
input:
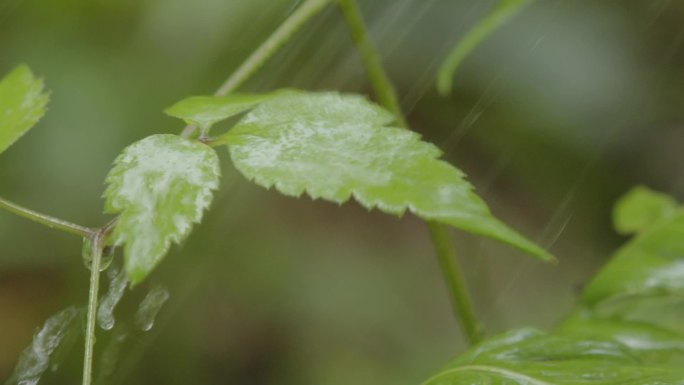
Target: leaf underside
[(335, 147), (22, 104), (160, 186), (628, 327)]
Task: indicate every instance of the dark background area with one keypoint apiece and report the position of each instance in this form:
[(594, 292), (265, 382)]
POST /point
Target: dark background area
[(553, 118)]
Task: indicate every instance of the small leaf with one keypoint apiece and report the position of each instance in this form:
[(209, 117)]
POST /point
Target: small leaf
[(22, 104), (334, 146), (640, 208), (651, 264), (497, 17), (204, 111), (160, 186)]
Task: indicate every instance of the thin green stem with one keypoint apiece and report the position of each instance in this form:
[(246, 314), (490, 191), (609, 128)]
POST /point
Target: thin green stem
[(453, 276), (267, 49), (387, 96), (43, 219), (384, 89), (97, 244), (498, 16)]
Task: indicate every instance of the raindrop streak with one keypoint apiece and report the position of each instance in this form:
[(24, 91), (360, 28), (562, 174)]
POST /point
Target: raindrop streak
[(117, 285), (110, 355), (149, 307), (35, 359)]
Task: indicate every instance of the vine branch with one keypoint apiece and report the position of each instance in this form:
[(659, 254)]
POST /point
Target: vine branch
[(384, 89), (455, 281), (387, 96), (96, 246), (47, 220)]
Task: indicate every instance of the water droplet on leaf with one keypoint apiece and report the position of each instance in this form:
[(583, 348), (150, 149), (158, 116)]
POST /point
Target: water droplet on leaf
[(87, 253)]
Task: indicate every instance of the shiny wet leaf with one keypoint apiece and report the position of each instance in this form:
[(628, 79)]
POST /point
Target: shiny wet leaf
[(22, 104), (159, 186)]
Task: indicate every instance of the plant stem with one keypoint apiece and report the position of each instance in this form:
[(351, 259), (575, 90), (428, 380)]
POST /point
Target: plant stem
[(387, 96), (96, 254), (453, 276), (267, 49), (499, 15), (43, 219), (384, 89)]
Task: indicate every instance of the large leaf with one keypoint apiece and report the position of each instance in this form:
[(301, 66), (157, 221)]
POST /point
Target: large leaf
[(335, 147), (530, 357), (628, 327), (22, 104), (160, 186)]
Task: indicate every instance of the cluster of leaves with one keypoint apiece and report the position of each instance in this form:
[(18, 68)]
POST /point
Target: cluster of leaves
[(329, 145), (628, 327)]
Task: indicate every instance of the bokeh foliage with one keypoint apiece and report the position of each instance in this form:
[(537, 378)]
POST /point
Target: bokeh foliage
[(552, 119)]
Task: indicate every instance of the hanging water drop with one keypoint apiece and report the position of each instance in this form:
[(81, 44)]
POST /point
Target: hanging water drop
[(117, 285), (35, 359), (149, 307), (106, 258)]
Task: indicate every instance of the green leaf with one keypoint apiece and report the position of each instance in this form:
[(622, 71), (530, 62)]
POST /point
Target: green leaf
[(641, 208), (22, 104), (628, 327), (204, 111), (649, 342), (530, 357), (651, 264), (160, 186), (335, 147), (497, 17)]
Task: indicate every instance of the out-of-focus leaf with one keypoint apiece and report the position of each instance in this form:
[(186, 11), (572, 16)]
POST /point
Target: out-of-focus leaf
[(35, 359), (22, 104), (641, 208), (529, 357), (651, 264), (204, 111), (644, 281), (649, 342), (498, 16), (160, 186), (334, 146), (628, 327)]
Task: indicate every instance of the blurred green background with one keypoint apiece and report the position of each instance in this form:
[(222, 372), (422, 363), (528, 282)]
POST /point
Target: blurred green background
[(553, 118)]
